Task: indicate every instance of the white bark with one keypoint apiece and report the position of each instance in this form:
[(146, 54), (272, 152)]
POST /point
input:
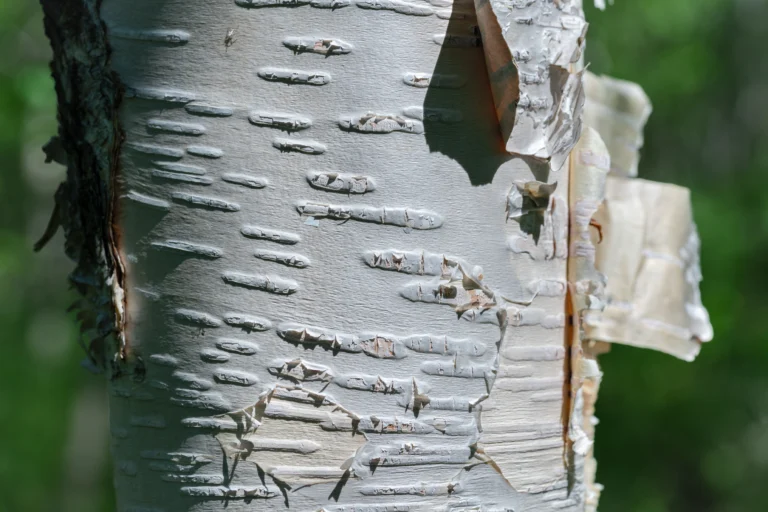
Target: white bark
[(306, 283), (650, 255), (334, 286)]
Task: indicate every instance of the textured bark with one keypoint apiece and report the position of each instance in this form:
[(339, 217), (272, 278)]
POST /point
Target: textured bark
[(341, 280), (649, 258), (88, 142)]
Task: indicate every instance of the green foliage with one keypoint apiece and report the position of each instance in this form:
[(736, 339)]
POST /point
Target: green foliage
[(673, 436)]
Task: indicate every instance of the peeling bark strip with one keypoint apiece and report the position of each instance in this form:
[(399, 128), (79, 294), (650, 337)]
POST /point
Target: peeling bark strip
[(633, 265), (530, 49), (590, 163), (648, 255), (650, 252), (618, 111), (89, 94)]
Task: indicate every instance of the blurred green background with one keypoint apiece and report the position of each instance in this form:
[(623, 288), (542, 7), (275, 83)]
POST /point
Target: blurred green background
[(673, 436)]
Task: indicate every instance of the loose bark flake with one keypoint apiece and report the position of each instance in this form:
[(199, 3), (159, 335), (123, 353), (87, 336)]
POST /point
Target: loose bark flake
[(531, 48), (633, 280), (618, 110), (650, 257)]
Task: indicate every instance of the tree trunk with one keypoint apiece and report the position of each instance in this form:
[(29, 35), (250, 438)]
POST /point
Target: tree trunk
[(323, 249)]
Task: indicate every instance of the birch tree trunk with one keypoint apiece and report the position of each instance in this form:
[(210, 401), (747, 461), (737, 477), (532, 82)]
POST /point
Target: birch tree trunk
[(323, 249)]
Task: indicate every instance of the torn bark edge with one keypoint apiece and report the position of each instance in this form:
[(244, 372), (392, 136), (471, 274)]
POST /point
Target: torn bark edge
[(89, 95), (503, 73), (589, 166), (557, 128), (618, 110)]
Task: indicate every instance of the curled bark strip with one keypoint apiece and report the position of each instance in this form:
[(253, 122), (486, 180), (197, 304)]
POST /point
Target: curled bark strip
[(650, 257), (618, 110), (530, 48)]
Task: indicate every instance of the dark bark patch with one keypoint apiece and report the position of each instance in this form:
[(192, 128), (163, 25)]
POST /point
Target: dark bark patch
[(89, 94)]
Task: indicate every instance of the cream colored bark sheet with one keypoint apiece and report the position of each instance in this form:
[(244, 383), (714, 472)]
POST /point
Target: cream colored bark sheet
[(650, 257), (618, 110)]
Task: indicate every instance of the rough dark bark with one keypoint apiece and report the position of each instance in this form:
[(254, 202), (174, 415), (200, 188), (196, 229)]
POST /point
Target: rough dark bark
[(88, 94)]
